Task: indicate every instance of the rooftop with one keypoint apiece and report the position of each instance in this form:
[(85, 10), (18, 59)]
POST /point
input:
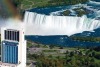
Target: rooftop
[(12, 30)]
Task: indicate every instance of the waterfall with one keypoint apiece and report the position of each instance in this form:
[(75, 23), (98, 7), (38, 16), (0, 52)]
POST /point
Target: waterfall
[(40, 24)]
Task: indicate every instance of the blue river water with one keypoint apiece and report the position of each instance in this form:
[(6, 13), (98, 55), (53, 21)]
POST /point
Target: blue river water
[(65, 40)]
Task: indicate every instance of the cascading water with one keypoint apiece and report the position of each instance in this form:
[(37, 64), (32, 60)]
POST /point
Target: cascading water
[(40, 24)]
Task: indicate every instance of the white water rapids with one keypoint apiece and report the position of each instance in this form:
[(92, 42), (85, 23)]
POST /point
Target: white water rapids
[(40, 24)]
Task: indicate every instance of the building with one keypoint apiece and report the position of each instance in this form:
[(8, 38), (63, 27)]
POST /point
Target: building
[(13, 48)]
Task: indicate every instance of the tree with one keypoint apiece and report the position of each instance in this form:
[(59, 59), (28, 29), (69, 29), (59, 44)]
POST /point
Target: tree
[(71, 54), (16, 2), (51, 46), (93, 53), (66, 13), (97, 56)]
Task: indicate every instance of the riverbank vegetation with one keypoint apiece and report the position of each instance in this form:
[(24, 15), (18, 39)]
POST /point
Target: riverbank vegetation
[(67, 2), (64, 56), (29, 4), (86, 39), (71, 59), (23, 5)]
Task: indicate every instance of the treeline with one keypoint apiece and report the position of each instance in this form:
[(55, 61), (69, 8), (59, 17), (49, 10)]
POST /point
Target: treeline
[(85, 58), (68, 2), (16, 2), (66, 13), (62, 3), (90, 39)]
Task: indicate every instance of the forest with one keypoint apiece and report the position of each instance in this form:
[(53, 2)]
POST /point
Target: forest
[(75, 58), (45, 3), (68, 2)]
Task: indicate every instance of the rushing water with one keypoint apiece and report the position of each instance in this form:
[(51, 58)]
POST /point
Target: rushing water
[(37, 24), (92, 7), (50, 22)]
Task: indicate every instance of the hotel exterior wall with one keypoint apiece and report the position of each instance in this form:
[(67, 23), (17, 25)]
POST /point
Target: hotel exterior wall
[(9, 52), (2, 38), (21, 47)]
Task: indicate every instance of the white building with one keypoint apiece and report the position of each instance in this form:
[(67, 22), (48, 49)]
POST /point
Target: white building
[(13, 47)]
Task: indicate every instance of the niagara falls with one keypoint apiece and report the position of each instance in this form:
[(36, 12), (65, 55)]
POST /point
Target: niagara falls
[(39, 24), (51, 21), (61, 24), (50, 33), (61, 20)]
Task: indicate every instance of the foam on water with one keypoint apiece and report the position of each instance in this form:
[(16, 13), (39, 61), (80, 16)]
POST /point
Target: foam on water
[(40, 24), (94, 2)]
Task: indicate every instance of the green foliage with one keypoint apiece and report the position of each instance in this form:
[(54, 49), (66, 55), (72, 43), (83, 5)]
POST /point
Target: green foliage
[(97, 56), (71, 54), (76, 57), (23, 5), (26, 4), (61, 47), (66, 13), (29, 44), (16, 2), (91, 39), (79, 11), (32, 56), (67, 2), (71, 59), (51, 46)]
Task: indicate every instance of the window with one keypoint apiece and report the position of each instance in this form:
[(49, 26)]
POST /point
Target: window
[(17, 35), (5, 34), (8, 35), (11, 35)]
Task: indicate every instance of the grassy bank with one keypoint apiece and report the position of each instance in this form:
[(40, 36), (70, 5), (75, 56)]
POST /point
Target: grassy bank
[(64, 56)]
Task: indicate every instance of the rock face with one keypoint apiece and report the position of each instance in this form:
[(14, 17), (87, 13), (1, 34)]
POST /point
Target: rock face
[(40, 24)]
